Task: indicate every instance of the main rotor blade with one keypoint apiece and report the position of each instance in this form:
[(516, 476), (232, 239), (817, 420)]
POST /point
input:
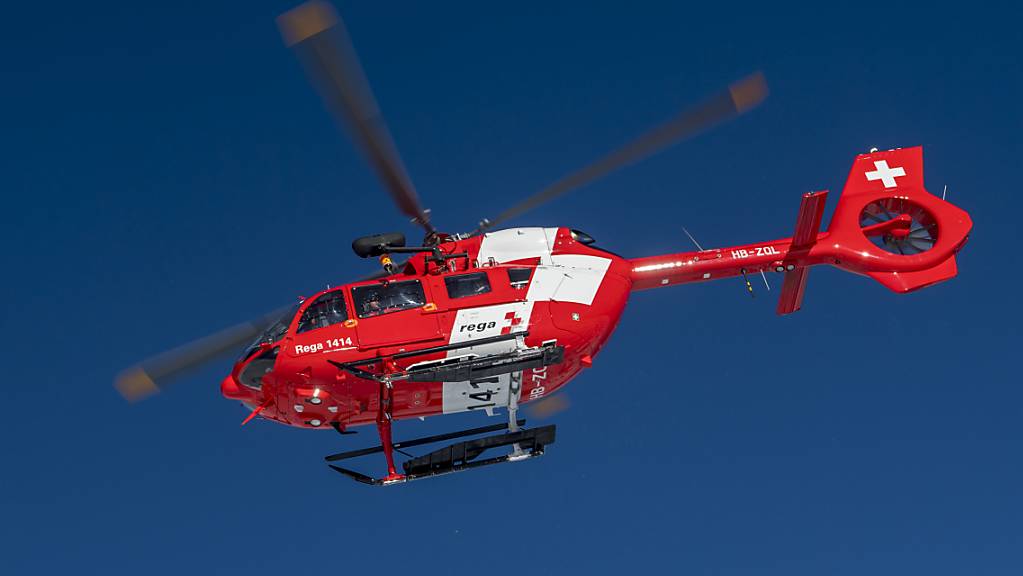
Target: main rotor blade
[(156, 373), (319, 38), (548, 406), (738, 98)]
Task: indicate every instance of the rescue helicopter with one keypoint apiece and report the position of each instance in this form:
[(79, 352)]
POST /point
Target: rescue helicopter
[(496, 318)]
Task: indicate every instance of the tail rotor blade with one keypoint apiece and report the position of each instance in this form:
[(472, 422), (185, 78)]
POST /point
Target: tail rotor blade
[(318, 36), (737, 99)]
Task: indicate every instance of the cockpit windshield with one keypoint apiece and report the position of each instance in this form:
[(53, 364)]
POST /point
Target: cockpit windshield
[(252, 374), (327, 310), (274, 332)]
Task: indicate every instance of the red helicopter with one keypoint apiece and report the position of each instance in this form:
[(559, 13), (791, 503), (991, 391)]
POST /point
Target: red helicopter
[(494, 319)]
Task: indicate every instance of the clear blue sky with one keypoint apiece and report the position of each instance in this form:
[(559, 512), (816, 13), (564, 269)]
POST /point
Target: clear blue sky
[(168, 170)]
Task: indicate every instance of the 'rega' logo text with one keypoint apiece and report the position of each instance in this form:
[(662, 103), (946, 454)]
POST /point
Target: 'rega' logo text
[(478, 327), (308, 348)]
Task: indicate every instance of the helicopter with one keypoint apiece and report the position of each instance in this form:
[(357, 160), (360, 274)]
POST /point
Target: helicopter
[(493, 319)]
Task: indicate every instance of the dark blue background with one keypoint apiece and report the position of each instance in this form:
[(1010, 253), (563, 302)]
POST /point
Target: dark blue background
[(167, 171)]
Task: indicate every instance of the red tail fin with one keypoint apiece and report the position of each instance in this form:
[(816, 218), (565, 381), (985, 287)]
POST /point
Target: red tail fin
[(887, 225)]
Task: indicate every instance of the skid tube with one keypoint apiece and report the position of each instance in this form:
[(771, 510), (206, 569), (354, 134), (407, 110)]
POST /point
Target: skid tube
[(456, 457)]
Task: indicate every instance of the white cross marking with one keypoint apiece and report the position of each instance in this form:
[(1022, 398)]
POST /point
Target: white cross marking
[(885, 174)]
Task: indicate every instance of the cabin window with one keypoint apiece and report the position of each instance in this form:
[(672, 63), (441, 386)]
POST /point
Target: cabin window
[(327, 310), (378, 299), (465, 285), (519, 277)]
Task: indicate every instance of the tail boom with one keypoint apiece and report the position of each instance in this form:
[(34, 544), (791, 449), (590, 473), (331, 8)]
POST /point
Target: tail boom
[(886, 226), (686, 267)]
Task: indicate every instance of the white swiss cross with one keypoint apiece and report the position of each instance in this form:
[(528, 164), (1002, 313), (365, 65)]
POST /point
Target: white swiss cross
[(885, 174)]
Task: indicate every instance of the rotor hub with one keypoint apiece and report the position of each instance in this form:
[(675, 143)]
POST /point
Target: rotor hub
[(899, 226)]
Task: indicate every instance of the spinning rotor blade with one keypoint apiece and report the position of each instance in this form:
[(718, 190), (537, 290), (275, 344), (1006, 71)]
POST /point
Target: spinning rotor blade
[(740, 97), (156, 373), (548, 406), (319, 38)]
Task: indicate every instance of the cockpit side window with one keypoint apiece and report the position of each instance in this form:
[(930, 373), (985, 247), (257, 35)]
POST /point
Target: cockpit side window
[(327, 310), (378, 299), (464, 285)]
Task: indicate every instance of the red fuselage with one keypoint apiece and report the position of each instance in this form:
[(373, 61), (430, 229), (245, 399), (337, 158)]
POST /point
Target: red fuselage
[(537, 281)]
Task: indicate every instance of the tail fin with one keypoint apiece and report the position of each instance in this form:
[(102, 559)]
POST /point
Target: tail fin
[(886, 226)]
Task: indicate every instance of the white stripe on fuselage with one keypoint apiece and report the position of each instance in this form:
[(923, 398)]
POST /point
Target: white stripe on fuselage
[(517, 244), (475, 324), (572, 278), (561, 278)]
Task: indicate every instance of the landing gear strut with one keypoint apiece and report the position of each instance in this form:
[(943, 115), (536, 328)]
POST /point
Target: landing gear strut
[(463, 455), (384, 428)]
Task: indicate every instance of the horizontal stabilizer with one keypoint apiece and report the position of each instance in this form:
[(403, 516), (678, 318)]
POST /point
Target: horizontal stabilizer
[(808, 225), (808, 222), (792, 289)]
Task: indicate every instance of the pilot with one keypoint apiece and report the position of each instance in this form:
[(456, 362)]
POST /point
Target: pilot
[(372, 307)]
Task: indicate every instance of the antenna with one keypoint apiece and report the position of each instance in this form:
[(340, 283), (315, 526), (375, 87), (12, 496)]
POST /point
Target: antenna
[(943, 192), (698, 247), (749, 287)]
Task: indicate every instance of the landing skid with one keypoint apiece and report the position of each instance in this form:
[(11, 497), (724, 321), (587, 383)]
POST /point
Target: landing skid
[(457, 457)]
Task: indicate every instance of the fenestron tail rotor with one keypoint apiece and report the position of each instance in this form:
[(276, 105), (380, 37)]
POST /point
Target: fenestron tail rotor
[(737, 99), (318, 36), (899, 226)]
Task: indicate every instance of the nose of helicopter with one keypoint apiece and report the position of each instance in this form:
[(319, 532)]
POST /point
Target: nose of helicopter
[(230, 389)]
